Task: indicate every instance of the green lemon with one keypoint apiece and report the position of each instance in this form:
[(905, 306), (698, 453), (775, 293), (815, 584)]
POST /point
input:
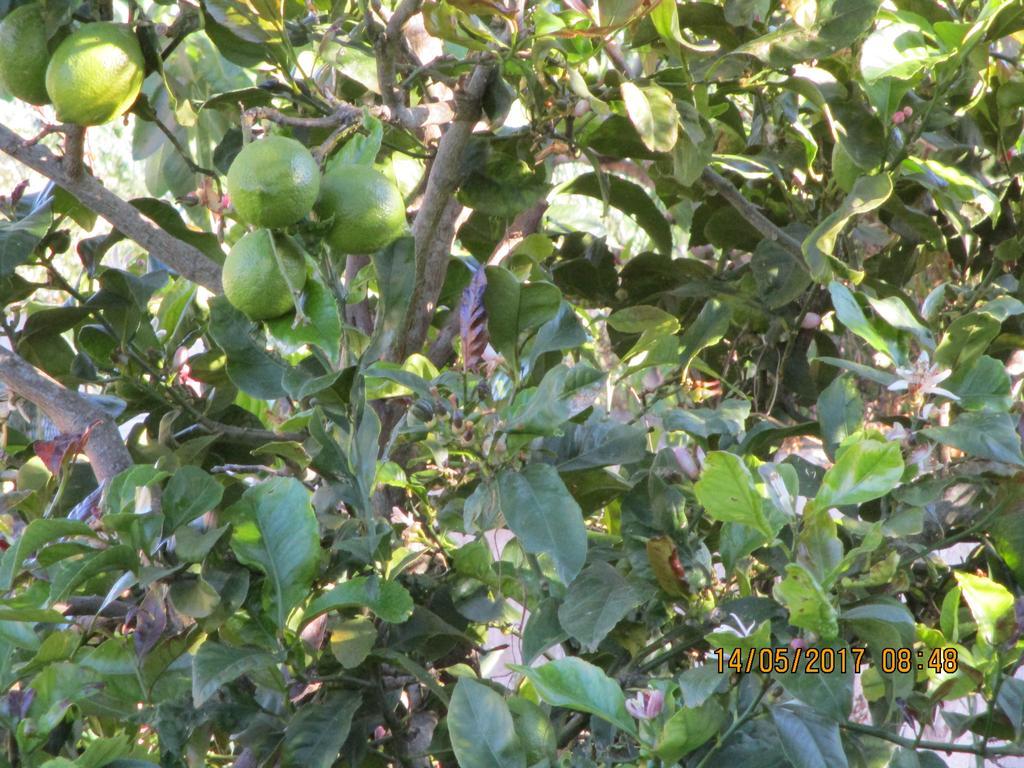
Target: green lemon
[(95, 74), (252, 281), (368, 209), (32, 475), (273, 182), (23, 54)]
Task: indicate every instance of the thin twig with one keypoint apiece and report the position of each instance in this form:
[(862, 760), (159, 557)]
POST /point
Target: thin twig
[(752, 214), (1009, 750)]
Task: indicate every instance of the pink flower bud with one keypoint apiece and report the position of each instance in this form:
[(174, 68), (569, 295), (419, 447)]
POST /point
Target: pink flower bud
[(686, 462), (898, 118), (908, 111), (811, 321)]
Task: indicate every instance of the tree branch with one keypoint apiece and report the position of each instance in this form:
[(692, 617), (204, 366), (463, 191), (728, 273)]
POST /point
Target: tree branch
[(71, 412), (434, 227), (1009, 750), (753, 215), (433, 113), (180, 256)]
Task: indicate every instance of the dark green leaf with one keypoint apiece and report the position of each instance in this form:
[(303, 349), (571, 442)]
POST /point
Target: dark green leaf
[(629, 198), (575, 684), (317, 732), (544, 517), (276, 532), (481, 728)]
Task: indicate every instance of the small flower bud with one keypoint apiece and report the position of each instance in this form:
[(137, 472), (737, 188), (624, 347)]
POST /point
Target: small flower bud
[(811, 321)]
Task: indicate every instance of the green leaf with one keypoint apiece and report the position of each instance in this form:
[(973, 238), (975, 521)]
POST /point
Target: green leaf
[(896, 50), (809, 740), (19, 238), (481, 728), (884, 621), (323, 326), (643, 317), (215, 665), (726, 491), (249, 366), (852, 316), (779, 277), (352, 641), (317, 732), (982, 434), (576, 684), (840, 411), (513, 308), (653, 113), (629, 198), (598, 599), (597, 443), (189, 494), (36, 533), (868, 193), (983, 386), (729, 418), (275, 531), (389, 600), (688, 729), (396, 272), (864, 470), (830, 695), (808, 605), (361, 149), (562, 393), (991, 604), (707, 330), (120, 557), (966, 339), (544, 517), (194, 597)]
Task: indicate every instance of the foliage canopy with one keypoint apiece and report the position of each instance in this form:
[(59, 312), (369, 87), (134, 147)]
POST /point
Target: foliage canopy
[(703, 342)]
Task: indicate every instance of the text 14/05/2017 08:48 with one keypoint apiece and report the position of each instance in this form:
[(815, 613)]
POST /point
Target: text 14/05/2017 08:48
[(832, 660)]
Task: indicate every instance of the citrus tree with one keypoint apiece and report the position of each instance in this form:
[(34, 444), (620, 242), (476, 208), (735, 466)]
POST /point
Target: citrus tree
[(490, 385)]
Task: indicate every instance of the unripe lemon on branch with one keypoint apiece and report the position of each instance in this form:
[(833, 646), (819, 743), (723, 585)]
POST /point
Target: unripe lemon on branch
[(253, 281), (273, 182), (24, 55), (95, 74), (367, 209)]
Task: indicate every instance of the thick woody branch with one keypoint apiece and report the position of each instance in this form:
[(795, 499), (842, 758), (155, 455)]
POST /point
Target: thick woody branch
[(752, 214), (71, 412), (180, 256), (434, 227)]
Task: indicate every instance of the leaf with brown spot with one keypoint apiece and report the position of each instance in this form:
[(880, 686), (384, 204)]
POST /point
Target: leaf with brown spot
[(473, 321)]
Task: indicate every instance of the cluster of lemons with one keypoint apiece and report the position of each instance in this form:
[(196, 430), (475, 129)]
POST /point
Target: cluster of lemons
[(95, 74), (275, 183)]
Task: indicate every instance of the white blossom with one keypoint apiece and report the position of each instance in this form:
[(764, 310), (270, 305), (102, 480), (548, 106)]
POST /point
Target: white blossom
[(922, 378)]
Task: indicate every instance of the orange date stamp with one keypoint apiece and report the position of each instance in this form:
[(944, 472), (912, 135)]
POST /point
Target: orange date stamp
[(827, 661)]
